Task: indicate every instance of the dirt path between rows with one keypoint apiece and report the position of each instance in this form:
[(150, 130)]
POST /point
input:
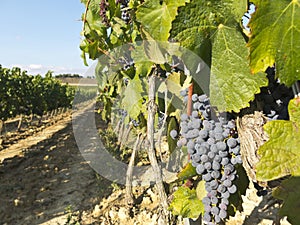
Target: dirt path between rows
[(50, 181)]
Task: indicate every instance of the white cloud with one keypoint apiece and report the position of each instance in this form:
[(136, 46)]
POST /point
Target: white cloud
[(35, 69)]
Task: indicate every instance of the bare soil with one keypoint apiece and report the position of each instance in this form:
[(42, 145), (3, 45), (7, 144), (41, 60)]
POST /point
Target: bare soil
[(44, 177)]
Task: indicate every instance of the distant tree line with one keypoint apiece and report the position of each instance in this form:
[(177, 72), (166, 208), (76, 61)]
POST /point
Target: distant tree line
[(68, 75)]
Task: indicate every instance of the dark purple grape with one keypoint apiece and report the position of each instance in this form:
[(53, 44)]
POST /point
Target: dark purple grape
[(232, 189)]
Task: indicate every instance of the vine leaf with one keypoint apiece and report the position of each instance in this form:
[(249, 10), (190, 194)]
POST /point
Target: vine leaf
[(156, 17), (133, 98), (191, 29), (276, 38), (142, 64), (232, 86), (187, 172), (280, 155), (186, 203), (289, 192), (101, 76), (155, 52), (239, 7), (173, 83)]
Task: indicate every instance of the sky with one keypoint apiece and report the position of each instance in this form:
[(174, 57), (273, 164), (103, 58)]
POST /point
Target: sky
[(42, 35)]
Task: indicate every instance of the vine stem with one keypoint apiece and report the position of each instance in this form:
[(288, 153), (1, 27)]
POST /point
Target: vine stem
[(121, 131), (160, 132), (85, 13), (152, 109), (126, 135), (129, 196)]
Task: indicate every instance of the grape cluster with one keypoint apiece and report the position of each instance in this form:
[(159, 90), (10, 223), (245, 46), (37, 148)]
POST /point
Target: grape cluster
[(103, 7), (126, 62), (275, 97), (212, 142), (122, 113), (125, 16)]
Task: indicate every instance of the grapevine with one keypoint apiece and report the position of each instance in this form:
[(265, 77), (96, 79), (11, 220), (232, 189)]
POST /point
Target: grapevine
[(251, 52), (21, 93)]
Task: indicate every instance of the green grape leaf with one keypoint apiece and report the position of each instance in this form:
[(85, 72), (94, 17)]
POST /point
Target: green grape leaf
[(155, 52), (173, 83), (141, 62), (195, 21), (93, 19), (133, 98), (280, 155), (239, 7), (187, 172), (156, 17), (186, 203), (100, 75), (190, 29), (289, 192), (232, 86), (275, 38)]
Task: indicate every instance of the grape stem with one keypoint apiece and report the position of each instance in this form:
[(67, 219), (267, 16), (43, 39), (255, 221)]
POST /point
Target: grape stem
[(190, 106), (189, 103)]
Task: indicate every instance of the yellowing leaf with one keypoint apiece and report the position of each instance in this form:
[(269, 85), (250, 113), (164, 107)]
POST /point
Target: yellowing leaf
[(186, 203), (187, 172), (232, 86), (280, 155), (200, 190), (275, 38)]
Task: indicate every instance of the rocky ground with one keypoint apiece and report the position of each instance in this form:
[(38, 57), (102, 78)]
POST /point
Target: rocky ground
[(49, 181)]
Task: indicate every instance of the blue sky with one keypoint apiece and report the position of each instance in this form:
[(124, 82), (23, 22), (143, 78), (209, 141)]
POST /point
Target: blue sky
[(41, 35)]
